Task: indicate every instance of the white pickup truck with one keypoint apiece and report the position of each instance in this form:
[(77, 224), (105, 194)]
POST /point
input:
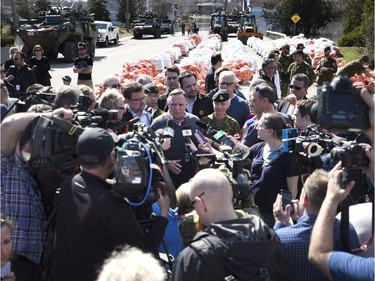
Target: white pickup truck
[(107, 33)]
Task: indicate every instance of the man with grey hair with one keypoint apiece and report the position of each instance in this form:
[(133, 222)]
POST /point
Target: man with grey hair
[(113, 100), (238, 108), (67, 96), (226, 250), (178, 119), (110, 82)]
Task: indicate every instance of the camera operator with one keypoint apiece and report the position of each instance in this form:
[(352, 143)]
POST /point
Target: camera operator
[(89, 95), (336, 265), (112, 100), (67, 97), (93, 220), (20, 195)]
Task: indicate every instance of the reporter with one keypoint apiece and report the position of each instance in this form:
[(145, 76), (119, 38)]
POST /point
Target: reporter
[(271, 168), (336, 265)]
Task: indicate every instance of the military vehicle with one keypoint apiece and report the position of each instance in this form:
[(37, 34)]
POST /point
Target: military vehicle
[(219, 25), (248, 28), (58, 31), (147, 24), (233, 23)]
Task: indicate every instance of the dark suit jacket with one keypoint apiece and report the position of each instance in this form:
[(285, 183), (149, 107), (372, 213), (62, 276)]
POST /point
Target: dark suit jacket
[(202, 106)]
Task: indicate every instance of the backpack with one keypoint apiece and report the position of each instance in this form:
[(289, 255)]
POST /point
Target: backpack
[(260, 258)]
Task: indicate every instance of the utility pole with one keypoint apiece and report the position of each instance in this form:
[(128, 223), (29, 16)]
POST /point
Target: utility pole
[(127, 16)]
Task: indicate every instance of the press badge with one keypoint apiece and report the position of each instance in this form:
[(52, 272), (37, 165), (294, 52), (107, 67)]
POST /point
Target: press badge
[(18, 87)]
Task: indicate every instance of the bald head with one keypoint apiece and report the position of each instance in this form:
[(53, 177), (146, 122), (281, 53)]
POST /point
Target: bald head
[(210, 189)]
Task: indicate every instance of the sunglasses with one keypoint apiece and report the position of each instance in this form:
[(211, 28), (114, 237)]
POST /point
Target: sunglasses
[(172, 78), (295, 87), (38, 50)]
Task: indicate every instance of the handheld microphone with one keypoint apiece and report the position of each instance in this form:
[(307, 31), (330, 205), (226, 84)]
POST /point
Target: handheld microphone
[(186, 132)]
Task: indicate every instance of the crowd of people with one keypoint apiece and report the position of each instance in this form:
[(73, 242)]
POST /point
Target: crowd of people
[(96, 233)]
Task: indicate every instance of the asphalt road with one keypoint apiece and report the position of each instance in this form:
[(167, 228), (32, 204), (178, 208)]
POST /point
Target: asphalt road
[(111, 59)]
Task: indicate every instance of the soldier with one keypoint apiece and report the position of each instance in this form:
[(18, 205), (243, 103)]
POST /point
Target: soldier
[(356, 67), (306, 57), (300, 66), (327, 67), (285, 60), (220, 120)]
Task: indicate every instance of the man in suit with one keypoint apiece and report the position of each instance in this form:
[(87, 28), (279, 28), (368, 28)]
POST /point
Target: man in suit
[(198, 104)]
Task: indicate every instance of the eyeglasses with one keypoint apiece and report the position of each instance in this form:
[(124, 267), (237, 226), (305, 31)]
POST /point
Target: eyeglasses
[(226, 83), (172, 78), (38, 50), (139, 100), (194, 201), (117, 86), (295, 87), (80, 49)]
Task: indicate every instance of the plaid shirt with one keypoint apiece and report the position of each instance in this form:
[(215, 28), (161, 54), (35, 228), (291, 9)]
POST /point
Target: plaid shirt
[(296, 240), (21, 202)]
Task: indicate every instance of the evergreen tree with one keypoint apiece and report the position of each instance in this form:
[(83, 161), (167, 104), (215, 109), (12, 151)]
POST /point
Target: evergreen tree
[(315, 14), (99, 9)]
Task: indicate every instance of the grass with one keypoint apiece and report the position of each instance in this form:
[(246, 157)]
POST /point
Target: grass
[(352, 53), (124, 32)]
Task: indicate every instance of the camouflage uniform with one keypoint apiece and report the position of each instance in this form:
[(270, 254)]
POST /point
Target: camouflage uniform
[(304, 68), (352, 68), (282, 66), (326, 76), (229, 125)]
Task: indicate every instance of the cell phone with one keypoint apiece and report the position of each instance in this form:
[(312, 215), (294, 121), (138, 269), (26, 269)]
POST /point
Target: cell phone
[(287, 197)]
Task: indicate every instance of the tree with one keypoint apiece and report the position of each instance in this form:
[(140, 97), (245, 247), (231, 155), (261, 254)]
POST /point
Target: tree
[(135, 8), (368, 26), (40, 6), (315, 14), (99, 9)]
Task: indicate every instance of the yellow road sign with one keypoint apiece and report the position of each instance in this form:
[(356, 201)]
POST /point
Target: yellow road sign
[(296, 18)]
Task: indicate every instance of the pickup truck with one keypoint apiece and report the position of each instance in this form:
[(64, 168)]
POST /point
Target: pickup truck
[(107, 33)]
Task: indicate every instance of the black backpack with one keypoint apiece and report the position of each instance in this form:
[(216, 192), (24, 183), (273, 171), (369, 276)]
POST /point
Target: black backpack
[(260, 258)]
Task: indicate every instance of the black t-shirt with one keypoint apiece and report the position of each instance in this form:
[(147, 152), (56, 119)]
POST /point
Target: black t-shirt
[(82, 63)]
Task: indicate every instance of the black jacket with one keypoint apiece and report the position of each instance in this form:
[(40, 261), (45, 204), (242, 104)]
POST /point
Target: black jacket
[(24, 77), (245, 244), (91, 222), (202, 106)]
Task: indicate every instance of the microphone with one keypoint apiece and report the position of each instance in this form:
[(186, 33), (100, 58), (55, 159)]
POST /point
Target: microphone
[(186, 132), (126, 124)]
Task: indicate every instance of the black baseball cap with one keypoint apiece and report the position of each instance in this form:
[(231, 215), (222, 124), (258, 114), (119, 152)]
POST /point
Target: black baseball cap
[(67, 78), (94, 145)]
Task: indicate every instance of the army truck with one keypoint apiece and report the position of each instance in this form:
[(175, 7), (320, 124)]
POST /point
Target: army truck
[(147, 24), (58, 31), (219, 25), (248, 28), (233, 23)]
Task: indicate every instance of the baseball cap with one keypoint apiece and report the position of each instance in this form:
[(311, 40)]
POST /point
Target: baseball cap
[(285, 46), (151, 88), (221, 96), (94, 145), (67, 78)]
